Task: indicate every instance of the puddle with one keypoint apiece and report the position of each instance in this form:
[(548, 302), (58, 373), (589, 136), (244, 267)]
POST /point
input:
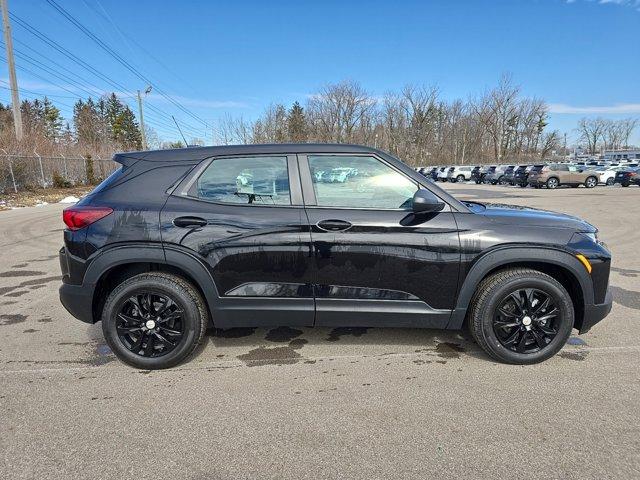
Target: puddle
[(12, 319), (21, 273), (235, 332), (579, 356), (282, 334), (336, 333), (449, 350), (284, 355), (626, 298)]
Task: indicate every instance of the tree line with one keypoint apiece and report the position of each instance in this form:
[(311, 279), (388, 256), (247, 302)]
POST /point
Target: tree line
[(416, 124), (98, 127)]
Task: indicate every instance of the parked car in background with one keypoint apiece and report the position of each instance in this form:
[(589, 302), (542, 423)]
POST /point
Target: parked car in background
[(476, 174), (607, 175), (497, 175), (442, 174), (510, 174), (554, 175), (486, 170), (459, 173), (628, 176)]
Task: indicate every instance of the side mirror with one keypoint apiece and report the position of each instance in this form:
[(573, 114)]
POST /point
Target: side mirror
[(426, 202)]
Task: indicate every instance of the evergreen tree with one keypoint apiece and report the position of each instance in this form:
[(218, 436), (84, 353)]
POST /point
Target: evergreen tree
[(297, 124), (52, 120)]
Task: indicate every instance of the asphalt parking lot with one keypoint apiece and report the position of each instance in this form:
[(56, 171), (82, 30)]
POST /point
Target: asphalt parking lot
[(317, 403)]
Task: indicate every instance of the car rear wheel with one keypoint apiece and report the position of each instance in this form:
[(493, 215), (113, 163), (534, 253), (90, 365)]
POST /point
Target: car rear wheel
[(521, 316), (460, 178), (154, 320), (610, 181), (591, 182), (553, 183), (502, 181)]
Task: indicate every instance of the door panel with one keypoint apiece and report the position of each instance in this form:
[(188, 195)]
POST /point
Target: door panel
[(377, 267), (258, 255)]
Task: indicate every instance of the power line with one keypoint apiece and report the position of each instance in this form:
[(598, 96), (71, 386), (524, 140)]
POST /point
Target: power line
[(77, 60), (120, 59)]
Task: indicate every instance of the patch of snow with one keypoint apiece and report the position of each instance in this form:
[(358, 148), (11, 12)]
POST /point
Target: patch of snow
[(41, 204), (70, 199)]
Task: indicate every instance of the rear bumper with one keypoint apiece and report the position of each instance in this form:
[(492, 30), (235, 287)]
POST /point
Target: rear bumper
[(595, 313), (78, 300)]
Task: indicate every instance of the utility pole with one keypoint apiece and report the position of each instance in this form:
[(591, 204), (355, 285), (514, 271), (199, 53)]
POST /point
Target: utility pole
[(142, 132), (15, 99)]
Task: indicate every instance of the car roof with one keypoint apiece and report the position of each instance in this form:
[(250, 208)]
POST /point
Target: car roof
[(200, 153)]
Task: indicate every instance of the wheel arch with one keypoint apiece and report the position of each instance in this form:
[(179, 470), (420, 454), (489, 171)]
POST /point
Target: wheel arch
[(557, 263), (113, 266)]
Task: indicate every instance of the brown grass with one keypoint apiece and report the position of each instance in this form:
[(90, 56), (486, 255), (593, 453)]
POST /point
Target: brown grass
[(36, 196)]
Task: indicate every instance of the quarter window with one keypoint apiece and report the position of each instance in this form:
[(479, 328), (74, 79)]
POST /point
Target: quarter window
[(250, 180), (359, 182)]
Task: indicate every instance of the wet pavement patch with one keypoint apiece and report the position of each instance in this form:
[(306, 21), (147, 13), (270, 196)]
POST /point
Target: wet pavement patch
[(449, 350), (282, 334), (336, 333), (626, 298), (30, 330), (20, 265), (36, 281), (579, 356), (12, 319), (45, 320), (21, 273), (234, 332), (626, 272), (285, 355), (576, 341), (19, 293)]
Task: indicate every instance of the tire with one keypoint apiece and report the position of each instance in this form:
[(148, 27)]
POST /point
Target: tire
[(610, 181), (522, 185), (460, 178), (591, 182), (625, 184), (191, 324), (501, 180), (552, 183), (491, 293)]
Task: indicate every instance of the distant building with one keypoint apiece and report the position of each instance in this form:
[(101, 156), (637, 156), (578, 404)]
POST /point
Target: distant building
[(618, 155)]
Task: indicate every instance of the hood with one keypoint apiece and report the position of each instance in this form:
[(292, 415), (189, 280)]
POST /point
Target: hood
[(517, 215)]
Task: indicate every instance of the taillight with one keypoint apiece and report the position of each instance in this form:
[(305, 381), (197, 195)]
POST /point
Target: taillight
[(76, 218), (632, 174)]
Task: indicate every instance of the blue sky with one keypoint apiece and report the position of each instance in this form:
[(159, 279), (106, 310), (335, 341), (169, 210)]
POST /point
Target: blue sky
[(217, 58)]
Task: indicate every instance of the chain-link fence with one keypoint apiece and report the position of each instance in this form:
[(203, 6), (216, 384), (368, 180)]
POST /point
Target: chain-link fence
[(19, 172)]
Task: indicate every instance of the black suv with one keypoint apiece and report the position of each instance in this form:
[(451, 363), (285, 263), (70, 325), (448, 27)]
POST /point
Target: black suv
[(237, 236)]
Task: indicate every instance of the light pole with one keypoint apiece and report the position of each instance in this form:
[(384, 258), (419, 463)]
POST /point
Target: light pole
[(142, 132)]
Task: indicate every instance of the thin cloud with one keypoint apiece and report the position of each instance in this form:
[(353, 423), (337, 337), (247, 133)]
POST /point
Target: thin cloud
[(621, 109), (635, 4)]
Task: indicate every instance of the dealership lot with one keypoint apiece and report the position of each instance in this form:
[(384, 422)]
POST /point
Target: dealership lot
[(314, 403)]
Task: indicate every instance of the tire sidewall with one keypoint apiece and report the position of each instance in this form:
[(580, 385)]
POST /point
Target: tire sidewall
[(553, 183), (499, 292), (179, 295)]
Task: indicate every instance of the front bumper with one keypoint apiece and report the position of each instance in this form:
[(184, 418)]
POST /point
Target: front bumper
[(595, 313)]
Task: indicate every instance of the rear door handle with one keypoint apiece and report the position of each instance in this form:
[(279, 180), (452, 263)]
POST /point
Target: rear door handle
[(333, 225), (186, 222)]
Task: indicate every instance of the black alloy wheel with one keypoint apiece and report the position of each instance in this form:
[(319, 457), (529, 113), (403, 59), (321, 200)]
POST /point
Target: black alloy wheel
[(150, 324), (526, 320)]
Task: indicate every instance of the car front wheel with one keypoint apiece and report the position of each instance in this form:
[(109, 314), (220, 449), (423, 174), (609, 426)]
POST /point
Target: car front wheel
[(521, 316), (610, 181), (460, 178), (552, 183), (154, 320), (591, 182)]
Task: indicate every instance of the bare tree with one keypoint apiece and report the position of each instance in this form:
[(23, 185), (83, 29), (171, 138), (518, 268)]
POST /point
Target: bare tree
[(592, 131)]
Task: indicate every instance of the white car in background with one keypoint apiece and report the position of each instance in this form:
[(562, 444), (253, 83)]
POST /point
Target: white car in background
[(460, 173), (607, 175), (442, 174)]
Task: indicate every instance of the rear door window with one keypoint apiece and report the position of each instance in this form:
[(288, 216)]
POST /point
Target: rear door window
[(260, 180)]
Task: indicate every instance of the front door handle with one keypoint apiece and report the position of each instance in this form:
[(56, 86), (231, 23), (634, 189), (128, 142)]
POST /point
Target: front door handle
[(187, 222), (334, 225)]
